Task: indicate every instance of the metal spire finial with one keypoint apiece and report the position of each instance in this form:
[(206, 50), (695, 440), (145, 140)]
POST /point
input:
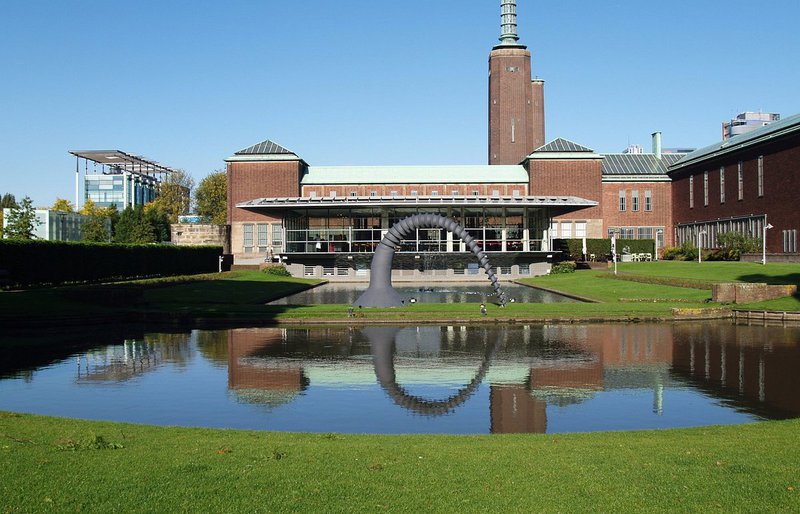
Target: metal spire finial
[(508, 22)]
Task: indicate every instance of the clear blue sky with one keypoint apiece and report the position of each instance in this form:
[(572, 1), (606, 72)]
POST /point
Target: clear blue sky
[(188, 83)]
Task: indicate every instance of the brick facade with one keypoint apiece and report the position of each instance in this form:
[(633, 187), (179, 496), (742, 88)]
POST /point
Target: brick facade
[(250, 180), (511, 123), (659, 215), (781, 172), (445, 189)]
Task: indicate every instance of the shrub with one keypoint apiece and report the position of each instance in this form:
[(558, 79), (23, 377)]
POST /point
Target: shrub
[(733, 244), (279, 271), (563, 267), (685, 252)]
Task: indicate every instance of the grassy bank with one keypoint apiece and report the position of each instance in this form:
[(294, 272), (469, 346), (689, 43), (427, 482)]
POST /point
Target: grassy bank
[(52, 464)]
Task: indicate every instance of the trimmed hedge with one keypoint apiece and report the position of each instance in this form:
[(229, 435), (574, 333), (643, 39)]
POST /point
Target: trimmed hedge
[(601, 248), (58, 262)]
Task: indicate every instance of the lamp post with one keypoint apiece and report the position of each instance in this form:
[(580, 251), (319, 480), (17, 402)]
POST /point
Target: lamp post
[(659, 233), (614, 250), (700, 248), (764, 245)]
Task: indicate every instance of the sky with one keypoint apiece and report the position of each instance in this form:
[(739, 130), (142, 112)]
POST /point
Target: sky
[(357, 82)]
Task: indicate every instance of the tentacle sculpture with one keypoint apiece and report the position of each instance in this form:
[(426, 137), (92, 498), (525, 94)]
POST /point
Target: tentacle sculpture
[(380, 292)]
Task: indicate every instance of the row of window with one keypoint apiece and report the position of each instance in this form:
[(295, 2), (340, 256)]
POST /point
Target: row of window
[(414, 192), (261, 243), (739, 180), (635, 203)]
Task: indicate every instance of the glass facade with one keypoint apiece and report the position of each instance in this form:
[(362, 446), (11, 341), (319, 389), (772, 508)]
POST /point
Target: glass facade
[(120, 189)]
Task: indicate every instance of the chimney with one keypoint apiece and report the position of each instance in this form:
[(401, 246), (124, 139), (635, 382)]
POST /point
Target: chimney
[(657, 144)]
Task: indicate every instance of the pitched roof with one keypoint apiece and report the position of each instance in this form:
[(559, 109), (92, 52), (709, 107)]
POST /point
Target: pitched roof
[(638, 164), (265, 147), (562, 145), (774, 130)]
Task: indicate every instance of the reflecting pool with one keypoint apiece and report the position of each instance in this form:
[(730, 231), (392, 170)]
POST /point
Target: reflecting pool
[(419, 379), (430, 292)]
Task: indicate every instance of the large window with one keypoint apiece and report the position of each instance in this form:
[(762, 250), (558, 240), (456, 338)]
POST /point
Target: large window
[(248, 238), (622, 194), (648, 201), (760, 175), (740, 180), (635, 200), (790, 241), (691, 192), (722, 184), (262, 236), (277, 234), (705, 188)]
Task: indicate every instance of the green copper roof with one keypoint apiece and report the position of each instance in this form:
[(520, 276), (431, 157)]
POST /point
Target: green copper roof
[(455, 174)]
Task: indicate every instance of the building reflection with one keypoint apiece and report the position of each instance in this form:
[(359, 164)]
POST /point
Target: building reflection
[(528, 369)]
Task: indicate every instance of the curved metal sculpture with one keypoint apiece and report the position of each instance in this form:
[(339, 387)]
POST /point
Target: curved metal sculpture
[(380, 292)]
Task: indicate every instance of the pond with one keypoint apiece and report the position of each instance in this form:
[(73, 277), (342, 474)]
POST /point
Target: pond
[(418, 379), (423, 292)]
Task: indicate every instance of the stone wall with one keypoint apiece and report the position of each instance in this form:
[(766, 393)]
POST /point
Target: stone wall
[(747, 293), (192, 234)]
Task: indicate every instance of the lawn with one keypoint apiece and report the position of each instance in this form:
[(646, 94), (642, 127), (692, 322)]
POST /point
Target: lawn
[(717, 271), (52, 464)]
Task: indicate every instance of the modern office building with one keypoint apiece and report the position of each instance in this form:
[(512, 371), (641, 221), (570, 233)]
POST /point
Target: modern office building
[(746, 184), (57, 225), (113, 177), (747, 121)]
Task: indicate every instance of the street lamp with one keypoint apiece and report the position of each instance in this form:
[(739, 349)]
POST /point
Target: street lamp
[(700, 248), (659, 233), (764, 245)]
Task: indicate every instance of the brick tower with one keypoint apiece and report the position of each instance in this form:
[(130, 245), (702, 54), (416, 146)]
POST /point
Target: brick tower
[(516, 103)]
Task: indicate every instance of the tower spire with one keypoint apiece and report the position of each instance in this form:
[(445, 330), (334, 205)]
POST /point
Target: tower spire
[(508, 22)]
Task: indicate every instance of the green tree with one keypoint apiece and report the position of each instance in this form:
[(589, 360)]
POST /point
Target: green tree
[(174, 195), (95, 230), (7, 201), (132, 227), (62, 205), (211, 198), (158, 221), (21, 221)]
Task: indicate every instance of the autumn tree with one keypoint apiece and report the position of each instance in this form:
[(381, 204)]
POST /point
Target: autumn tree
[(211, 198), (174, 195), (62, 205), (21, 221)]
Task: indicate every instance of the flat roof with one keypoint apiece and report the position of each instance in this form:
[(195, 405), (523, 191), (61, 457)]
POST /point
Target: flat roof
[(413, 201), (437, 174), (123, 161)]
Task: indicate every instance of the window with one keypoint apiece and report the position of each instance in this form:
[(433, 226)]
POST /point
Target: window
[(277, 235), (312, 194), (262, 236), (333, 194), (414, 192), (705, 188), (454, 192), (566, 229), (635, 200), (691, 192), (622, 200), (626, 233), (393, 193), (722, 184), (790, 241), (475, 193), (353, 193), (760, 176), (580, 229), (645, 233), (648, 201), (373, 193), (434, 193), (740, 180), (495, 193), (248, 238)]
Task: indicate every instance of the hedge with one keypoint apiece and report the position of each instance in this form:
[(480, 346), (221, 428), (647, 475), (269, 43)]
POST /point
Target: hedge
[(27, 263), (601, 248)]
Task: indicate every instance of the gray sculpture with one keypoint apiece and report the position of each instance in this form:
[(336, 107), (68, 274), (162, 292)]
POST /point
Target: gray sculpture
[(380, 292)]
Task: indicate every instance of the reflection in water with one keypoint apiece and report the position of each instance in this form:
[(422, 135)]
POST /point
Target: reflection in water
[(382, 341), (452, 379)]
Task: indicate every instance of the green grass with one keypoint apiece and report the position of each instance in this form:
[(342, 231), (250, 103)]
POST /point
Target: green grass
[(52, 464), (717, 271)]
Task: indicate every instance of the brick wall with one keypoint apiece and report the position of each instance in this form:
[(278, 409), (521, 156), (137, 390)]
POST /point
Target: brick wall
[(510, 97), (251, 180), (659, 216), (747, 293), (779, 202)]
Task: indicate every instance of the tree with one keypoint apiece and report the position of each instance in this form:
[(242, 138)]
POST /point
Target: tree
[(21, 221), (142, 225), (174, 195), (95, 230), (7, 201), (62, 205), (211, 198)]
